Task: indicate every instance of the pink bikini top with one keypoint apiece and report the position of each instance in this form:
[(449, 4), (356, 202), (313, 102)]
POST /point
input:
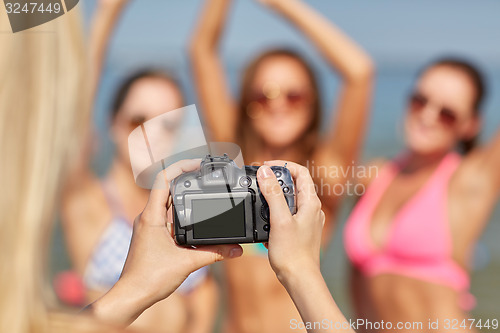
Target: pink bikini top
[(418, 242)]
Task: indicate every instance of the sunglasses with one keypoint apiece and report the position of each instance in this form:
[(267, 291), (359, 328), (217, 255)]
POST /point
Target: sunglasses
[(293, 98), (139, 120), (418, 102)]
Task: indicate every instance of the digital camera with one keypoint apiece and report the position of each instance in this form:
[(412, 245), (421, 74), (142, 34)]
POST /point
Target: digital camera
[(222, 204)]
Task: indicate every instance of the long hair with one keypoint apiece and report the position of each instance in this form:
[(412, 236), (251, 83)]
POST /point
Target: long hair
[(250, 141), (44, 108), (478, 81)]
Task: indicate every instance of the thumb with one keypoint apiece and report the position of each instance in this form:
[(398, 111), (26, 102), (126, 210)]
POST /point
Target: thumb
[(269, 187), (209, 254)]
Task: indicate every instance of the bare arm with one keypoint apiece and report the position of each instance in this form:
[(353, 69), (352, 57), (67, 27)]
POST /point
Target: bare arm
[(78, 207), (296, 263), (479, 171), (473, 194), (316, 306), (213, 92), (345, 137), (103, 24), (488, 159), (155, 266)]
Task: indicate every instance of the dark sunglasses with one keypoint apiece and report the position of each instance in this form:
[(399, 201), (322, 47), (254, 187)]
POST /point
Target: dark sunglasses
[(418, 102), (292, 98), (139, 120)]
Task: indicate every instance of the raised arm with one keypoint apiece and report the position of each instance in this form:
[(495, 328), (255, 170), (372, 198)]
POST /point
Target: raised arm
[(484, 164), (103, 24), (356, 69), (475, 189), (294, 249), (214, 96), (75, 209), (492, 161), (105, 17)]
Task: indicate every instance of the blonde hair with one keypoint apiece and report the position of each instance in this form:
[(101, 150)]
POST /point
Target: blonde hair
[(43, 115)]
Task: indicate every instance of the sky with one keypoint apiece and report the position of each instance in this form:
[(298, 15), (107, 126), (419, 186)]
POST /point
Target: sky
[(396, 33)]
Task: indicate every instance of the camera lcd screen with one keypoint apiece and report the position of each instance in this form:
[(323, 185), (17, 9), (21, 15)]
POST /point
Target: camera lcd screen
[(213, 219)]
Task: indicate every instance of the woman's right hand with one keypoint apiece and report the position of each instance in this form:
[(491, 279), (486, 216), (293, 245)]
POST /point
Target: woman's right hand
[(294, 240)]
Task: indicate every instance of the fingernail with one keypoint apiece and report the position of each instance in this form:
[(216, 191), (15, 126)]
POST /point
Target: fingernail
[(266, 171), (236, 252)]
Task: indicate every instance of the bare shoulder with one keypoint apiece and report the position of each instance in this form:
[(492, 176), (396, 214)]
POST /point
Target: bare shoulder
[(84, 216), (85, 203)]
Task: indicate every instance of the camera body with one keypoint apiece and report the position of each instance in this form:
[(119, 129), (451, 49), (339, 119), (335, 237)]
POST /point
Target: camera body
[(222, 204)]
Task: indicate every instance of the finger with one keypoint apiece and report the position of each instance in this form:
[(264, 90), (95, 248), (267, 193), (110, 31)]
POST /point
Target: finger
[(159, 195), (271, 189), (209, 254), (169, 222), (170, 229), (307, 198)]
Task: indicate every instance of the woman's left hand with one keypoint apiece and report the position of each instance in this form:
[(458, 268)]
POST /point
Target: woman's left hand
[(155, 264)]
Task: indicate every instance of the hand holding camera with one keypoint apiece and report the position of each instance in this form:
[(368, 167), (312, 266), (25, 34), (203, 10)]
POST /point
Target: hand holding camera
[(222, 203), (155, 265), (294, 240)]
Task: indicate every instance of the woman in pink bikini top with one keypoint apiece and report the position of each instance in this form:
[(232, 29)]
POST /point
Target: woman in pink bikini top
[(409, 238)]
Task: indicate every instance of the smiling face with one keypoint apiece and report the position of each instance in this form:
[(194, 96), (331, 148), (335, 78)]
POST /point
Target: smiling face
[(441, 111), (281, 101), (147, 98)]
